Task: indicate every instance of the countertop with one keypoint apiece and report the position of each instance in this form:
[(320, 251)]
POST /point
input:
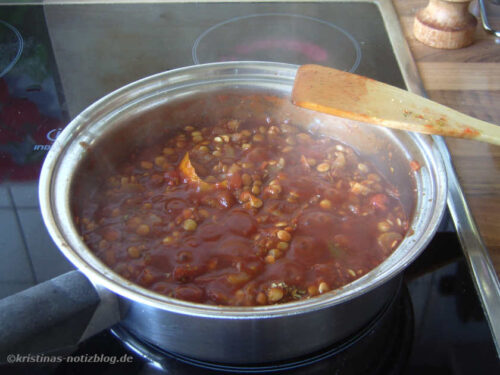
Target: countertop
[(467, 80)]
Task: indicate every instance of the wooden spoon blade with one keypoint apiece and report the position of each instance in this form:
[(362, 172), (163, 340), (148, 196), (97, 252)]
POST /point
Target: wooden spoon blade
[(352, 96)]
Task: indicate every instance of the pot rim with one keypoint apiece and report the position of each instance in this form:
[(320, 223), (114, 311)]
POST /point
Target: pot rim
[(55, 211)]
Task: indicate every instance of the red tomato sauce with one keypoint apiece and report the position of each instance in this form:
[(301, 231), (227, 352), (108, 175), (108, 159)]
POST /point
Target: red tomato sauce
[(243, 213)]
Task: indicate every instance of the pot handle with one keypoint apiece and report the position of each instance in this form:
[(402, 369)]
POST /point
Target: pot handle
[(55, 314)]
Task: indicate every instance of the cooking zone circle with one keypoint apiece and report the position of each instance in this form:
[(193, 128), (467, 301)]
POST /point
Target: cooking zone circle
[(11, 47), (278, 37)]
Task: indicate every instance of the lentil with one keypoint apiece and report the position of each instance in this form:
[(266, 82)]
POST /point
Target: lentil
[(134, 252), (168, 240), (143, 230), (275, 294), (312, 290), (282, 245), (247, 179), (258, 138), (323, 167), (160, 161), (283, 235), (325, 204), (275, 253), (261, 299), (384, 226), (255, 189), (323, 287), (146, 164), (270, 259), (189, 225)]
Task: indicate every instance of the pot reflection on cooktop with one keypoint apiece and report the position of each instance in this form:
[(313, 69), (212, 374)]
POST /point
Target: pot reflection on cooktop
[(381, 347), (278, 37)]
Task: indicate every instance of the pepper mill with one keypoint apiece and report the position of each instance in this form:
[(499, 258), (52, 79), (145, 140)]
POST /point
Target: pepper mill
[(445, 24)]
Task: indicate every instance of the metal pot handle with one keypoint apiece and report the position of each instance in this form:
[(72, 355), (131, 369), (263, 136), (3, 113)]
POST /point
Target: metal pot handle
[(55, 314)]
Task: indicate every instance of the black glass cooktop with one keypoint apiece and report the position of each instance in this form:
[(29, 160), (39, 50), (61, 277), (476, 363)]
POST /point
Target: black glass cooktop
[(56, 59)]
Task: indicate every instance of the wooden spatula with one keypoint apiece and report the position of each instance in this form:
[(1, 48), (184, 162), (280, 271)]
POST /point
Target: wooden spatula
[(359, 98)]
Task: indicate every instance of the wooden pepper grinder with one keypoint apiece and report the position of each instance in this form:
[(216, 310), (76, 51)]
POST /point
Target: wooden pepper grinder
[(445, 24)]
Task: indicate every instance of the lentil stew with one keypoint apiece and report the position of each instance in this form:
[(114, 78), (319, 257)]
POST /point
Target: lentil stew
[(242, 212)]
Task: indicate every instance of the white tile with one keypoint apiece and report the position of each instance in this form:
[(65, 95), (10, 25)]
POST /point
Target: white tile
[(4, 196), (15, 262), (47, 260), (24, 194)]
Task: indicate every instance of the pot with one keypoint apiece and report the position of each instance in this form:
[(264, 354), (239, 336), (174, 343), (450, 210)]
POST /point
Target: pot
[(97, 138)]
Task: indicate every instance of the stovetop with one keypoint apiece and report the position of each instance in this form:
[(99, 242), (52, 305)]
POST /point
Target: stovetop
[(56, 59)]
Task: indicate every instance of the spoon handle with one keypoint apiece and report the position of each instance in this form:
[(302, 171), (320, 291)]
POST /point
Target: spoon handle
[(363, 99)]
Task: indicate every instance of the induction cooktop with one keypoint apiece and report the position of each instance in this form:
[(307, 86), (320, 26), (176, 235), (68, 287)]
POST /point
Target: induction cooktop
[(58, 57)]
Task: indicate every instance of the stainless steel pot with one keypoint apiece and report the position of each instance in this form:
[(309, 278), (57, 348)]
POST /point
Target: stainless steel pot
[(108, 129)]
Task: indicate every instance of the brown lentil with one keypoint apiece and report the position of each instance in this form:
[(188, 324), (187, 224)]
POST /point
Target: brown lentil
[(283, 235), (325, 204), (323, 167), (282, 245), (134, 252), (275, 294), (143, 230), (323, 287), (189, 225), (146, 164)]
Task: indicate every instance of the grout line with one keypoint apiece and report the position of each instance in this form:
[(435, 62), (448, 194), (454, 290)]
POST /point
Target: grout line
[(25, 243)]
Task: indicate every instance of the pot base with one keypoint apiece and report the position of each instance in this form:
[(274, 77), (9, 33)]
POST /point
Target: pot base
[(386, 339)]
